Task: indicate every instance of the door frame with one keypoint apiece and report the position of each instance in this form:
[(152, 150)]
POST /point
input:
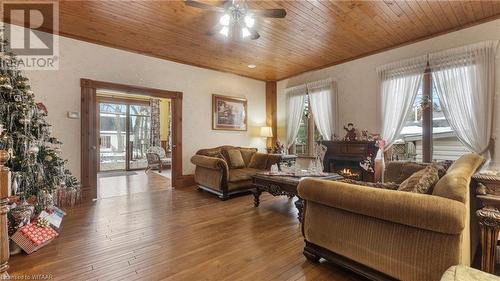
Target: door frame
[(90, 125)]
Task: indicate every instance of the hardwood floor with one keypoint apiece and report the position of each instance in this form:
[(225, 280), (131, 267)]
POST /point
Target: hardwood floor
[(110, 184), (178, 234)]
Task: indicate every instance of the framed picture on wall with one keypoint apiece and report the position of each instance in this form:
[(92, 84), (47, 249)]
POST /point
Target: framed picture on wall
[(229, 113)]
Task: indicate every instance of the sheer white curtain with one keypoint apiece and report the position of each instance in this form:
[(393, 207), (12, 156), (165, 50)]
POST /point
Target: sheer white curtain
[(465, 81), (295, 108), (323, 104), (399, 83)]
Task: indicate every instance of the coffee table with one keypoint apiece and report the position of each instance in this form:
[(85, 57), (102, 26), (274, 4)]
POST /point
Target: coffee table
[(283, 186)]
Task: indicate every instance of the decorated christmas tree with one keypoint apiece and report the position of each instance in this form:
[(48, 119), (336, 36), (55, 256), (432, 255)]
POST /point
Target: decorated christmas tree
[(39, 177)]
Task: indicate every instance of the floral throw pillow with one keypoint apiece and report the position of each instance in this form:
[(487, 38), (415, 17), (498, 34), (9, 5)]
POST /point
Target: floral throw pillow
[(422, 181)]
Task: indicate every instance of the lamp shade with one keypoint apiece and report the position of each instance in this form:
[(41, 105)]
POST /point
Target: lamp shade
[(266, 132)]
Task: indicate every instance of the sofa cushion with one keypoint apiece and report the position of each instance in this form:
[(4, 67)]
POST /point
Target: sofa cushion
[(385, 185), (455, 184), (259, 161), (398, 171), (244, 174), (247, 154), (235, 159), (422, 181)]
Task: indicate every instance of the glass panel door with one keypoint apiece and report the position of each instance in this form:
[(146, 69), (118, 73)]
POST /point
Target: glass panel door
[(139, 135), (112, 138)]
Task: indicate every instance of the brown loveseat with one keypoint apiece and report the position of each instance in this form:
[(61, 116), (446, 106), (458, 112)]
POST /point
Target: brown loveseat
[(216, 173), (384, 233)]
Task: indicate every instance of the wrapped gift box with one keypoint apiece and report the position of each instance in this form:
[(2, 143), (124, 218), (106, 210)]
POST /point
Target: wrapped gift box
[(33, 237)]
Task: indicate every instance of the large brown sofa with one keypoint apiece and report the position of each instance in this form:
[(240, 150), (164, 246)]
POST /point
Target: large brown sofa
[(216, 174), (391, 234)]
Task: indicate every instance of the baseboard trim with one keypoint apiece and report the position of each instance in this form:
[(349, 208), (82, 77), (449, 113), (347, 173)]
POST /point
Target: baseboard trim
[(184, 181)]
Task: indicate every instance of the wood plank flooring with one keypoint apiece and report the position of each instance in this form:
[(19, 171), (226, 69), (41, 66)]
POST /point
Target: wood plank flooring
[(131, 182), (178, 234)]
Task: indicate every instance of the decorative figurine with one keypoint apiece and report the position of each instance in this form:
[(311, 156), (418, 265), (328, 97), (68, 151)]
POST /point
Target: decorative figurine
[(364, 135), (279, 148), (351, 132)]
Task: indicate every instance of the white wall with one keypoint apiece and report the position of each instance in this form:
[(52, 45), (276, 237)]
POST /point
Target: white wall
[(357, 80), (60, 92)]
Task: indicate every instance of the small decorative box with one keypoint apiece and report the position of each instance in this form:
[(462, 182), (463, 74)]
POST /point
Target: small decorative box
[(33, 237)]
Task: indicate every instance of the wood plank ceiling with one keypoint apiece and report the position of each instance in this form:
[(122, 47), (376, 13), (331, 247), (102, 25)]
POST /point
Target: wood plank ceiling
[(313, 35)]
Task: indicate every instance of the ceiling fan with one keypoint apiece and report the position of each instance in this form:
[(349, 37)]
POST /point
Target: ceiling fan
[(236, 20)]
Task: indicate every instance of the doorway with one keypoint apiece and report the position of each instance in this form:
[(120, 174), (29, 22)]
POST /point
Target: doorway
[(124, 132), (117, 131)]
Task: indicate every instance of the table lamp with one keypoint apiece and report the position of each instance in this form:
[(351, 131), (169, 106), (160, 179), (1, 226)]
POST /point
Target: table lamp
[(267, 132)]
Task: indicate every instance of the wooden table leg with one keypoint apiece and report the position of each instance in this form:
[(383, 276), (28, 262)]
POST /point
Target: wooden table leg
[(256, 197), (489, 221)]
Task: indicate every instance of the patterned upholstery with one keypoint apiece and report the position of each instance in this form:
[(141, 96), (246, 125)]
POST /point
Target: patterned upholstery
[(157, 158), (215, 173)]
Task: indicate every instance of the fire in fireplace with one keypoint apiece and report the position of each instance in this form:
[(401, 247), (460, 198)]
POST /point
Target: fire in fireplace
[(350, 174)]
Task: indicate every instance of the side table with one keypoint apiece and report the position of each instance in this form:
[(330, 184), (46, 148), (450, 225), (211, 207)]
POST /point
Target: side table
[(488, 191)]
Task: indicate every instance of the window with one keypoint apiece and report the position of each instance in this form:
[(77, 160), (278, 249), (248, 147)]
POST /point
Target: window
[(427, 116), (105, 142), (308, 133)]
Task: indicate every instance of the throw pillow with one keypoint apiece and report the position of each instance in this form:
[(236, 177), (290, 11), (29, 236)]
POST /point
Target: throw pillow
[(235, 159), (247, 154), (385, 185), (422, 181), (259, 161)]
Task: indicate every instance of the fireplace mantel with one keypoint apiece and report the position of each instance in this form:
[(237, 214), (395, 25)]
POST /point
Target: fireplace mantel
[(342, 155)]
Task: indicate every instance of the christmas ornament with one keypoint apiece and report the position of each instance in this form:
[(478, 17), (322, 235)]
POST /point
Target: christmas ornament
[(33, 149), (42, 222), (15, 186), (22, 214)]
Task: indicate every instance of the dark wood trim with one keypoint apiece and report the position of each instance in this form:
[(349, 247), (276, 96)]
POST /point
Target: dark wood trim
[(90, 126), (116, 100), (89, 142), (230, 99), (136, 90), (271, 110), (185, 181), (314, 252), (427, 116)]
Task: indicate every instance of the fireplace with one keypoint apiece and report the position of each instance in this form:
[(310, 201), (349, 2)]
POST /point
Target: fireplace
[(347, 169), (344, 158)]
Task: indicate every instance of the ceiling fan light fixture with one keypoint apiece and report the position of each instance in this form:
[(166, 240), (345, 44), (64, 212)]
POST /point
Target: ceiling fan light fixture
[(245, 32), (249, 21), (224, 20), (252, 66), (224, 31)]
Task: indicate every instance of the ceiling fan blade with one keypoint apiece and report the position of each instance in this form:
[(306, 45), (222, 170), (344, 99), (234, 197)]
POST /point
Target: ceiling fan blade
[(270, 13), (203, 6)]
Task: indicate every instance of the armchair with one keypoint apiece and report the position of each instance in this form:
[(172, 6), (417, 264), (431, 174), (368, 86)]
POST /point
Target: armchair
[(157, 159)]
